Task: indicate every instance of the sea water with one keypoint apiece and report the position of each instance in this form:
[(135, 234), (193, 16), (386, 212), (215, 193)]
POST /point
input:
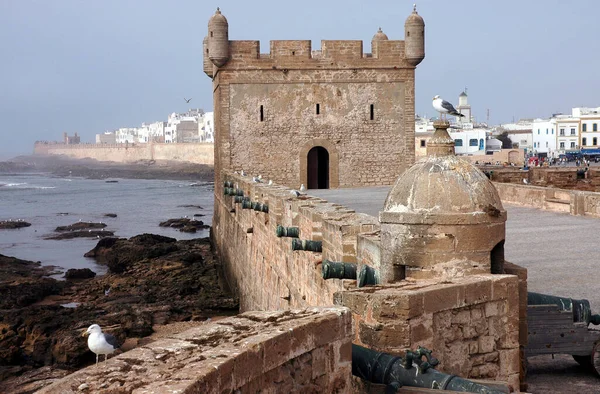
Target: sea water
[(47, 202)]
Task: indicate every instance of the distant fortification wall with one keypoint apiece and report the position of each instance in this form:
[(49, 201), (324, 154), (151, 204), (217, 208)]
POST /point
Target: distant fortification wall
[(199, 153)]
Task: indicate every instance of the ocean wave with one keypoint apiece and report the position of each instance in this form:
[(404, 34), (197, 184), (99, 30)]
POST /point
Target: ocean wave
[(23, 186)]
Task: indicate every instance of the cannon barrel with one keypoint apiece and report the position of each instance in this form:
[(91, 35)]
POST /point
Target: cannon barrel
[(338, 270), (292, 232), (228, 184), (582, 311), (394, 371), (240, 199), (311, 246), (367, 276)]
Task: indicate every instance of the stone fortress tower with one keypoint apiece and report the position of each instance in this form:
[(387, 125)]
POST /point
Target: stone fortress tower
[(328, 118)]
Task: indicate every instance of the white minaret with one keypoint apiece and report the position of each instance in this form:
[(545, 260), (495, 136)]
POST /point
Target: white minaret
[(464, 108)]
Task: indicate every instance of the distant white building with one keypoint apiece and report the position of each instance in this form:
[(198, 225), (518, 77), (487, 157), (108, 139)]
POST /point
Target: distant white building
[(522, 138), (106, 138), (589, 120), (544, 137), (522, 124), (567, 134), (469, 142), (152, 132), (206, 127), (126, 135), (183, 127)]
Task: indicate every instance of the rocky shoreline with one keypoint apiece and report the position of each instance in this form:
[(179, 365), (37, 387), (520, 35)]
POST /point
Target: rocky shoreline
[(151, 281), (62, 166)]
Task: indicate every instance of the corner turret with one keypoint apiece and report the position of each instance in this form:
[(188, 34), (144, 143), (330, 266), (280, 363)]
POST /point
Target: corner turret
[(414, 37), (218, 39), (379, 36), (208, 66)]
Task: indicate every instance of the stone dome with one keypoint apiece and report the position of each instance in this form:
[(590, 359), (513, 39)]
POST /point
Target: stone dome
[(414, 18), (443, 185), (380, 36), (218, 18)]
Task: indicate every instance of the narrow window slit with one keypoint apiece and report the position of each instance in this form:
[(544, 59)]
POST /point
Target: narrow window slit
[(372, 111), (262, 114), (318, 109)]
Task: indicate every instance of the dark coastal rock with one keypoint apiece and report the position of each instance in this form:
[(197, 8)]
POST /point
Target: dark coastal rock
[(185, 225), (119, 254), (110, 215), (190, 206), (80, 226), (12, 224), (111, 181), (81, 234), (23, 282), (199, 215), (79, 273), (179, 283)]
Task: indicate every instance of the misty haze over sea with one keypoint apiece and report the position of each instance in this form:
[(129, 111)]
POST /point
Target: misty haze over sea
[(46, 202)]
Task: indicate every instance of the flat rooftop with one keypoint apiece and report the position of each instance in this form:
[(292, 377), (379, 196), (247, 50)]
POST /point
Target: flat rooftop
[(558, 249)]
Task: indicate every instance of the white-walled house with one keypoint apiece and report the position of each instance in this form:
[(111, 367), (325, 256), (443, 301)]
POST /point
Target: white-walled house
[(589, 120), (544, 137), (206, 127), (469, 142), (523, 138), (126, 135), (567, 138)]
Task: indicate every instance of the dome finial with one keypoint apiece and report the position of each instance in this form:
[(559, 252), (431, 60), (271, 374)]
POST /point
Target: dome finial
[(415, 8), (218, 11), (380, 31)]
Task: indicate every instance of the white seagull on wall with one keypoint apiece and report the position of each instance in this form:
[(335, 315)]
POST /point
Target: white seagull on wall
[(444, 107)]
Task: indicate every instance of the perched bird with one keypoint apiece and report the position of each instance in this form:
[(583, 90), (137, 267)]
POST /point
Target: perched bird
[(242, 173), (444, 107), (259, 177), (525, 181), (99, 342), (187, 100), (256, 180), (302, 188), (295, 193), (270, 182)]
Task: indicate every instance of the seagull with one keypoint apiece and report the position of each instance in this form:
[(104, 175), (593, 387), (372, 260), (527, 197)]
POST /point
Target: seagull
[(302, 188), (256, 180), (99, 342), (295, 193), (270, 182), (242, 173), (444, 107), (187, 100)]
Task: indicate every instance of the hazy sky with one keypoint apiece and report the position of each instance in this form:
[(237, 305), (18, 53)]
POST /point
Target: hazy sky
[(96, 65)]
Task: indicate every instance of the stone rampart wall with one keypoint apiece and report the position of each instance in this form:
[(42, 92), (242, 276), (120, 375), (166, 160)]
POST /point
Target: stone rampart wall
[(200, 153), (481, 311), (276, 352), (574, 202)]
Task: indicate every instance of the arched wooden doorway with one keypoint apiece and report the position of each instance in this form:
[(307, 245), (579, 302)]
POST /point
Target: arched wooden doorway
[(317, 168)]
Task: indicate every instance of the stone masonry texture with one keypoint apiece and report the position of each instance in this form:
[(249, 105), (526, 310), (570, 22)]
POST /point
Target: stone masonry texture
[(294, 351)]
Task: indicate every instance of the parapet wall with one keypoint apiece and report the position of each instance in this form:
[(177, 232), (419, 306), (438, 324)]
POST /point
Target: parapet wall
[(575, 202), (471, 323), (199, 153), (276, 352)]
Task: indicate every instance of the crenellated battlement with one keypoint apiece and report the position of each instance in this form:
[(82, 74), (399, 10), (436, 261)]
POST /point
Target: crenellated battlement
[(333, 54)]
